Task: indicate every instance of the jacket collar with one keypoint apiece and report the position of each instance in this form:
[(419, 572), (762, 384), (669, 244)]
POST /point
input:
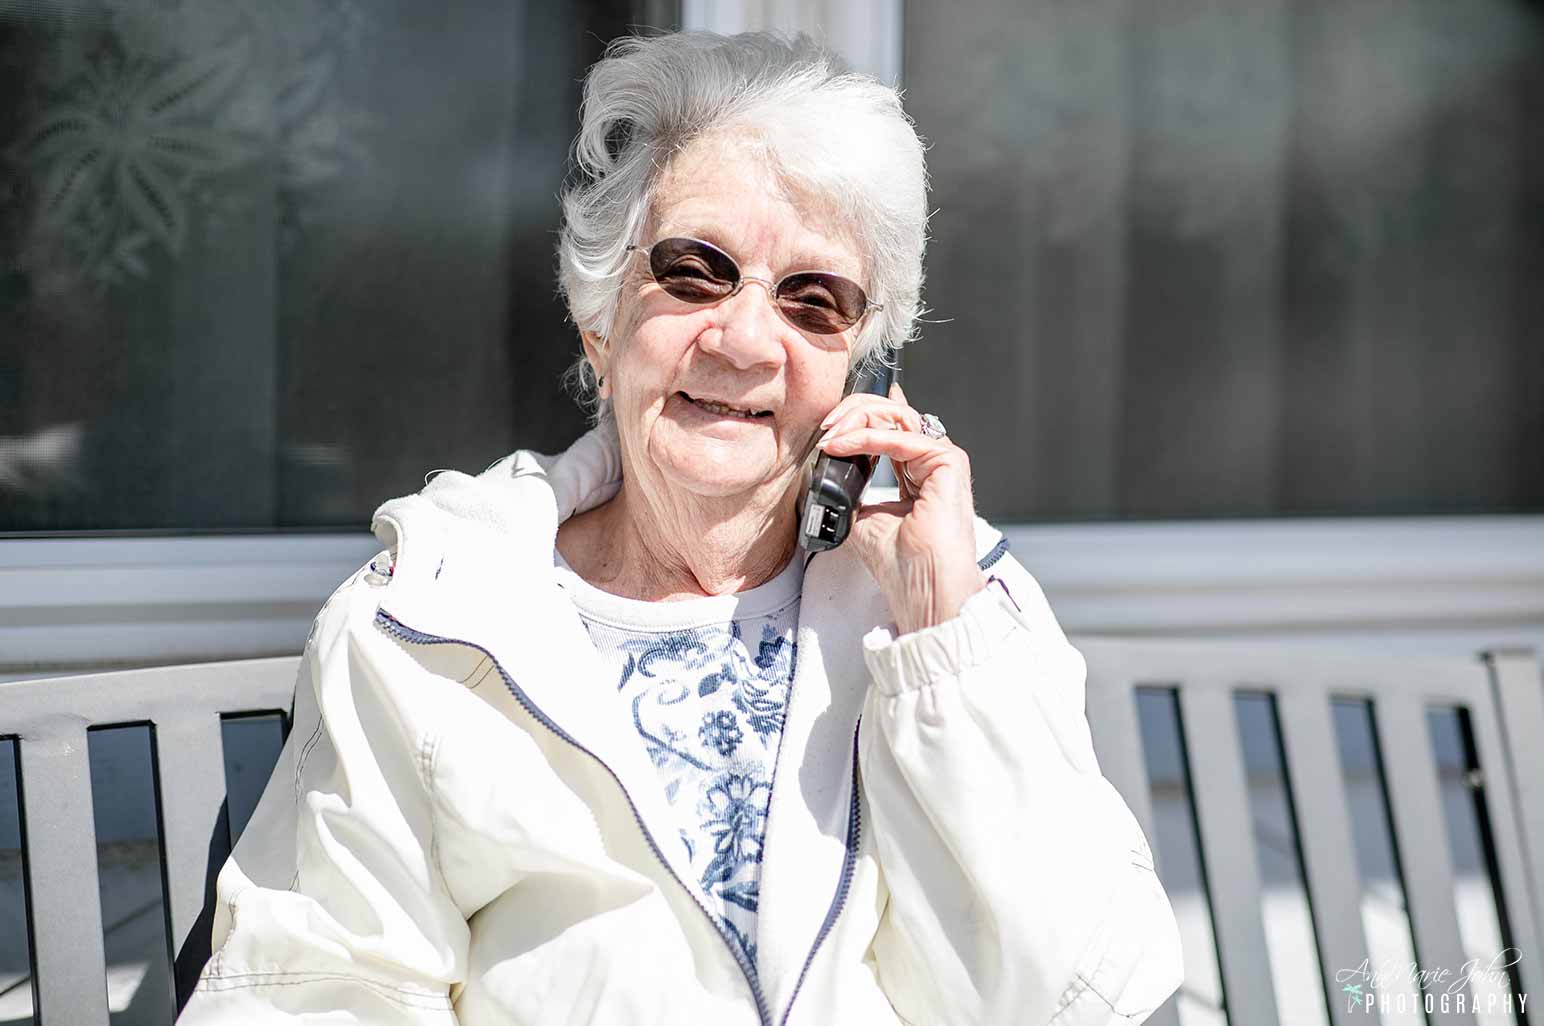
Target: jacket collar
[(474, 564)]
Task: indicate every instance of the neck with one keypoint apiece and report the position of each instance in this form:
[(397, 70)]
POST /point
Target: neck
[(668, 551)]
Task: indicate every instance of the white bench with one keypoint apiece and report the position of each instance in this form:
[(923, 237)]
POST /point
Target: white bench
[(49, 720), (1502, 693), (1505, 704)]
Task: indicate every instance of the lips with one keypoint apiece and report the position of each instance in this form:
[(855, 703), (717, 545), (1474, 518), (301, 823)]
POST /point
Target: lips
[(725, 409)]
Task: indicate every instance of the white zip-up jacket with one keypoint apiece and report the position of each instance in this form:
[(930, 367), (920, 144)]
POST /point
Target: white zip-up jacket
[(464, 826)]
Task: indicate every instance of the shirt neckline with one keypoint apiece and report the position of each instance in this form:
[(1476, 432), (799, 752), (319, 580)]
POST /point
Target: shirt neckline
[(771, 596)]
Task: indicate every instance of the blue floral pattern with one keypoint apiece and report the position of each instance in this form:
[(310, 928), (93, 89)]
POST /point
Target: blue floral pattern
[(709, 706), (720, 731)]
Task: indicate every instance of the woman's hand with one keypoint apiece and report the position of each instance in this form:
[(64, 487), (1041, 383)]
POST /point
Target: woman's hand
[(922, 549)]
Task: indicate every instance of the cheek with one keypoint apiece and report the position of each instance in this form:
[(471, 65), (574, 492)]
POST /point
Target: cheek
[(647, 364), (819, 384)]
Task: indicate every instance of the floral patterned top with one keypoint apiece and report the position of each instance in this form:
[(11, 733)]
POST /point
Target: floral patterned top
[(707, 681)]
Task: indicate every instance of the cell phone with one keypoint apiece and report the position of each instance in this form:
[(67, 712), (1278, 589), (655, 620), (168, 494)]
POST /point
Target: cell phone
[(829, 498)]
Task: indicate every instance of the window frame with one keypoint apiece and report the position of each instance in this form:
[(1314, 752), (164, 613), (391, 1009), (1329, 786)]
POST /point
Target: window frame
[(1453, 584), (1419, 584), (111, 602)]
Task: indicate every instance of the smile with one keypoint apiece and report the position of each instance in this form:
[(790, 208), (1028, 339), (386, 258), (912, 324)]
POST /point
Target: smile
[(723, 410)]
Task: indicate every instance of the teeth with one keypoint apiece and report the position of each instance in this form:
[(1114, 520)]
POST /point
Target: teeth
[(721, 408)]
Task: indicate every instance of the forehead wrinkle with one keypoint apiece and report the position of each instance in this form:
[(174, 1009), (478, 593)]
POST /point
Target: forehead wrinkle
[(835, 248)]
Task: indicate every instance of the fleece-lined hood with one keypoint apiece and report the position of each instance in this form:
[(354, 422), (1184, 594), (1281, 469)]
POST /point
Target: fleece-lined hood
[(515, 506)]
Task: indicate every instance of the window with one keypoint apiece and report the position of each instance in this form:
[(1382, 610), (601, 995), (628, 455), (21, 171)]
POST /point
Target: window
[(1273, 259), (263, 266)]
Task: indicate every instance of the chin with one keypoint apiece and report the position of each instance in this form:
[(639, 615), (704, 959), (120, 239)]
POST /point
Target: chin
[(708, 479), (720, 470), (712, 466)]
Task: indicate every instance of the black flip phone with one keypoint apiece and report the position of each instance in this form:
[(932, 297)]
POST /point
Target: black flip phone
[(829, 499)]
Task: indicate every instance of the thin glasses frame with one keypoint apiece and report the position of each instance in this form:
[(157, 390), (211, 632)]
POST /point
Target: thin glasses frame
[(789, 309)]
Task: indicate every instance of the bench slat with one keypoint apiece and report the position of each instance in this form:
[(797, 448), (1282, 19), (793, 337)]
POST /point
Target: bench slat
[(1420, 830), (66, 907), (191, 776), (1226, 824), (1506, 833), (1112, 720), (1520, 701), (1325, 838), (1111, 708)]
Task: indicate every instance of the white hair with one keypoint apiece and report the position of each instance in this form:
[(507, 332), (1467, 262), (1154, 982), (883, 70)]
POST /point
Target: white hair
[(838, 137)]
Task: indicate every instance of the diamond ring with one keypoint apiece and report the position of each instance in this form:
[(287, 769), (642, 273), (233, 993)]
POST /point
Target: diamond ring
[(932, 426)]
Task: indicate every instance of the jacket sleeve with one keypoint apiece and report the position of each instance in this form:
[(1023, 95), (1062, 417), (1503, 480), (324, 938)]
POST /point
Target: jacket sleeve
[(1021, 888), (331, 905)]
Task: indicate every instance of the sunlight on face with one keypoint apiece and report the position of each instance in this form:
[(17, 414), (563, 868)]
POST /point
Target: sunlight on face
[(739, 351)]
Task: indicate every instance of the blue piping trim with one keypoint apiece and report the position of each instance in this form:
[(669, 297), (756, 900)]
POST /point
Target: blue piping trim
[(998, 552)]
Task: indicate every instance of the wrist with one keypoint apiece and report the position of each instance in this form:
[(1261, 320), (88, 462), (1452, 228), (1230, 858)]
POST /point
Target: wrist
[(938, 600), (944, 652)]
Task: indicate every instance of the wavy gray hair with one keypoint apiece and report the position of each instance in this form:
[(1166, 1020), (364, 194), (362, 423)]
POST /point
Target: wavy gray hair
[(833, 134)]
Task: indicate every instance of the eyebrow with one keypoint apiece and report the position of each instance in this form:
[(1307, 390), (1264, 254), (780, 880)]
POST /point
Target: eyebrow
[(805, 261)]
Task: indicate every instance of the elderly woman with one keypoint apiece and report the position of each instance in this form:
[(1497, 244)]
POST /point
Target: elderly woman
[(595, 741)]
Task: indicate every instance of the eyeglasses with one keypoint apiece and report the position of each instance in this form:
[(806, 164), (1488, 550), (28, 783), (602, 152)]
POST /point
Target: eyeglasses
[(699, 272)]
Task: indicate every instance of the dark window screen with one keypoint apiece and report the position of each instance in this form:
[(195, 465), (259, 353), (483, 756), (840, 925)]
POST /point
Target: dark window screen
[(264, 265), (1271, 258)]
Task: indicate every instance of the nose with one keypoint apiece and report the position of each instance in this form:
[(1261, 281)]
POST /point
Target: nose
[(749, 327)]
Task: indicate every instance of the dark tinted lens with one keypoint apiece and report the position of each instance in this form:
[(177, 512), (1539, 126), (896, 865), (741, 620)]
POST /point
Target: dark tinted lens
[(821, 303), (692, 271)]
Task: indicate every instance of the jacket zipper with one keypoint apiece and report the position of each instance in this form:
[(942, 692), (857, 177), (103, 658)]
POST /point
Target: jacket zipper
[(402, 632), (844, 883), (855, 821)]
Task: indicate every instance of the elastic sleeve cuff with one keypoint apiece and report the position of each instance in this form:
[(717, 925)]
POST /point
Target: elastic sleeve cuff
[(915, 660)]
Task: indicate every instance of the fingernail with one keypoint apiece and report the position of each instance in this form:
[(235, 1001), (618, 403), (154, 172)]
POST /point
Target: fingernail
[(829, 418), (824, 439)]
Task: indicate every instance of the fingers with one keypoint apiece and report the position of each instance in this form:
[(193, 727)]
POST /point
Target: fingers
[(917, 456), (878, 404), (866, 410), (859, 415), (900, 445), (909, 488)]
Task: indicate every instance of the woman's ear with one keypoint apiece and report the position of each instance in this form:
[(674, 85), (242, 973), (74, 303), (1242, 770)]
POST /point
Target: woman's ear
[(594, 350)]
